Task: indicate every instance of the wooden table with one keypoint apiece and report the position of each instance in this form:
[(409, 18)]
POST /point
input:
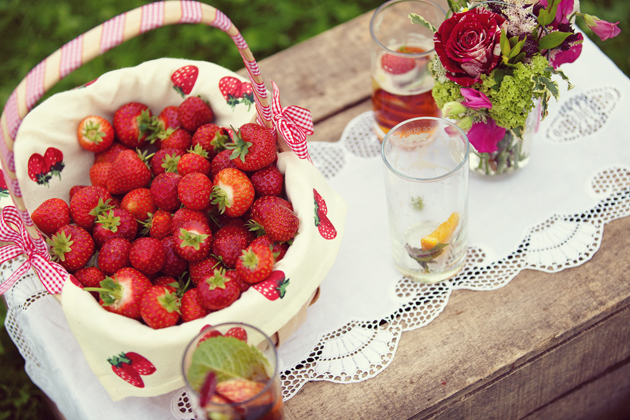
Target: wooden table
[(546, 346)]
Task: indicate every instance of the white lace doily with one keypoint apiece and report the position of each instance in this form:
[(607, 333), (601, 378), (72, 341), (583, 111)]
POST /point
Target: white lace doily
[(549, 216)]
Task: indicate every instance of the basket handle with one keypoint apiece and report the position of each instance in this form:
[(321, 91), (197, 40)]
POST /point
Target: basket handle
[(96, 42)]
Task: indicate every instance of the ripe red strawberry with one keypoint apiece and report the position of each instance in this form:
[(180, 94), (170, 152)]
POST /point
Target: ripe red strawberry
[(114, 255), (132, 124), (114, 223), (99, 172), (169, 118), (255, 264), (147, 255), (279, 249), (178, 139), (121, 293), (280, 223), (233, 192), (175, 265), (218, 291), (230, 87), (184, 215), (159, 225), (184, 79), (140, 363), (199, 270), (95, 134), (196, 160), (275, 287), (194, 191), (194, 112), (192, 306), (221, 161), (139, 203), (51, 215), (122, 368), (193, 241), (72, 247), (53, 160), (128, 172), (166, 160), (159, 307), (37, 169), (268, 181), (211, 138), (89, 276), (238, 333), (253, 148), (263, 204), (110, 154), (164, 191), (229, 243), (394, 64), (87, 204)]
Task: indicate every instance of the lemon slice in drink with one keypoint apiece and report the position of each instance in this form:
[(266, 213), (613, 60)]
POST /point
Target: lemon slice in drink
[(442, 234)]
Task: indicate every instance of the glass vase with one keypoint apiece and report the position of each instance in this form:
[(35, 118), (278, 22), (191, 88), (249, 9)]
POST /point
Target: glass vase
[(513, 151)]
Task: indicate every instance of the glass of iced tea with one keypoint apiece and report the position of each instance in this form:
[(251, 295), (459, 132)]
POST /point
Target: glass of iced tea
[(232, 371), (401, 52), (426, 183)]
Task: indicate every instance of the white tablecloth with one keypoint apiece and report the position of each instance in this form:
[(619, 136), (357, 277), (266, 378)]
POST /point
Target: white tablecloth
[(549, 216)]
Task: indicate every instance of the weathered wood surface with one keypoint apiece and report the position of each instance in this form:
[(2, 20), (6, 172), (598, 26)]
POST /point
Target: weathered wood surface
[(546, 346)]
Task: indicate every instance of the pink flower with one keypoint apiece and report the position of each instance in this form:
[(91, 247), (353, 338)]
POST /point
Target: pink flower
[(604, 30), (485, 136), (568, 52), (565, 10), (468, 46), (474, 99)]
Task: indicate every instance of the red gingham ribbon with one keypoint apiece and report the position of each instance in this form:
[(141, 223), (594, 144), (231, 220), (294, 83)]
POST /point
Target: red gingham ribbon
[(294, 123), (51, 274)]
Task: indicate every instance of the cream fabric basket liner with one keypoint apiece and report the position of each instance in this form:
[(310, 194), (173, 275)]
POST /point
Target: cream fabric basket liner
[(101, 334)]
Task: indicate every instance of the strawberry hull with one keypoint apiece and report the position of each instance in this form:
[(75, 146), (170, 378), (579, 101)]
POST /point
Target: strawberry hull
[(102, 334)]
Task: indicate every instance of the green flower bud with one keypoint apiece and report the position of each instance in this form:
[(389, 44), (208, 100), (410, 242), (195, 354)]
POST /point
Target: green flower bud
[(465, 123), (453, 109)]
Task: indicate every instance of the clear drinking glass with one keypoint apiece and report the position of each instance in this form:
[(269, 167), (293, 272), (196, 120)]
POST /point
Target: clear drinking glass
[(401, 51), (426, 182), (232, 372)]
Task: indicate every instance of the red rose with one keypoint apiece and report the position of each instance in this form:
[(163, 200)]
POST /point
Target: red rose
[(468, 45)]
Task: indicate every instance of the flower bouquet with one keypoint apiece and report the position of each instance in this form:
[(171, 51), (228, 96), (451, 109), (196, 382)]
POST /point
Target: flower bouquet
[(494, 71)]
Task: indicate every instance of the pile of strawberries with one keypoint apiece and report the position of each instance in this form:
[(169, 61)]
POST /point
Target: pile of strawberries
[(181, 218)]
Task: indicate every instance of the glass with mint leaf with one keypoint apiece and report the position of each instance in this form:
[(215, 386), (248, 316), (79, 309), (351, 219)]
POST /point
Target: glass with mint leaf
[(232, 371)]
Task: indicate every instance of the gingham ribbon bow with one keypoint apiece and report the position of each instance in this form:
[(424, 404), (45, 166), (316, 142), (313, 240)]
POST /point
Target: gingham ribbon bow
[(51, 274), (294, 123)]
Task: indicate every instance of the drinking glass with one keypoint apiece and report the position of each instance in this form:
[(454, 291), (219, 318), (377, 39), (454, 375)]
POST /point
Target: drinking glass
[(401, 51), (234, 380), (426, 182)]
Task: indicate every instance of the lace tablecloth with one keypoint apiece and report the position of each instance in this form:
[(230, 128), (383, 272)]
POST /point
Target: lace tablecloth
[(548, 217)]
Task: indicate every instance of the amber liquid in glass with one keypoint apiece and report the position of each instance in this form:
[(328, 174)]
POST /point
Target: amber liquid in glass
[(396, 98)]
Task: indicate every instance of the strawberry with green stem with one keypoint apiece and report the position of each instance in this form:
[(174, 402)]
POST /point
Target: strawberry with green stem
[(212, 138), (193, 241), (133, 124), (95, 134), (218, 291), (121, 294), (195, 160), (87, 204), (128, 172), (160, 307), (114, 223), (72, 247), (255, 264), (233, 192), (253, 147), (274, 287)]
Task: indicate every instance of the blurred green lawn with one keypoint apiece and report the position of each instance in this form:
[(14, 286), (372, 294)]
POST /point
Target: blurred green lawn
[(31, 30)]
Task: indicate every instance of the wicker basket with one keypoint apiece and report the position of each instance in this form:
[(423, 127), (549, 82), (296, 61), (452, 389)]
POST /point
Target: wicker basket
[(53, 123)]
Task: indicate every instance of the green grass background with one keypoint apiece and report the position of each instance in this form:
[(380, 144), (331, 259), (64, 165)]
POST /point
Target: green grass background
[(30, 30)]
